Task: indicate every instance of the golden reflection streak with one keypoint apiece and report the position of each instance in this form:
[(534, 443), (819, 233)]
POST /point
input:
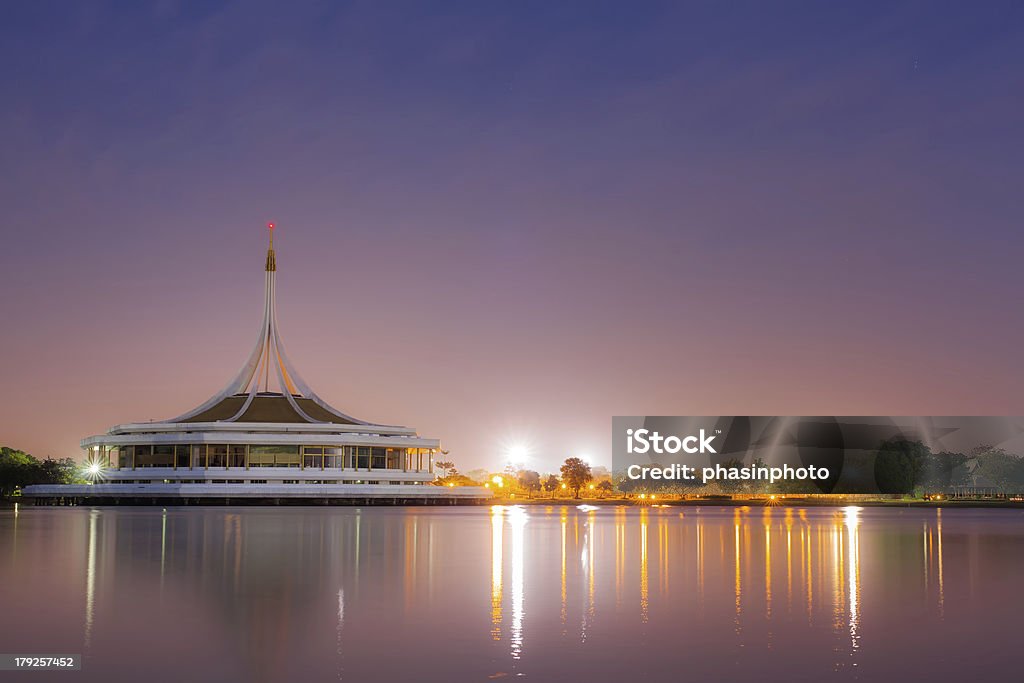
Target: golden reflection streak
[(341, 619), (356, 564), (517, 519), (942, 595), (700, 559), (409, 576), (643, 565), (930, 553), (837, 574), (853, 529), (593, 542), (587, 565), (497, 522), (620, 553), (736, 535), (767, 518), (90, 579), (662, 554), (163, 546), (565, 521), (789, 559), (924, 552), (807, 567)]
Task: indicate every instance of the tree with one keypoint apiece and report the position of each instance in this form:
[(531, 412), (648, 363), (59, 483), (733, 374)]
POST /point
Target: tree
[(446, 467), (16, 470), (576, 474), (19, 469), (551, 485), (898, 465), (730, 485), (998, 468), (529, 480), (605, 487), (455, 479)]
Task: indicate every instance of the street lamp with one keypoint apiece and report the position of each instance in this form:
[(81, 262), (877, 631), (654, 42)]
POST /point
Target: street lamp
[(93, 470)]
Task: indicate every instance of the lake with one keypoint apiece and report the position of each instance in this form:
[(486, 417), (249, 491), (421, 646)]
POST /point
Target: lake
[(541, 593)]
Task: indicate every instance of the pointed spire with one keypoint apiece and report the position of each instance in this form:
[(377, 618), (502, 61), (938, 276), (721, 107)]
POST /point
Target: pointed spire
[(271, 260), (268, 361)]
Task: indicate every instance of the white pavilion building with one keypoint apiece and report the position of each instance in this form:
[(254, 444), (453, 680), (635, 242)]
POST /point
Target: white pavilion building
[(266, 437)]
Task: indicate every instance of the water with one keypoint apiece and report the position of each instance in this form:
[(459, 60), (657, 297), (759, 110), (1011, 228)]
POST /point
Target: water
[(541, 593)]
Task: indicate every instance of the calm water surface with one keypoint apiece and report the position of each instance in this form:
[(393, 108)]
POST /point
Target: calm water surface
[(541, 593)]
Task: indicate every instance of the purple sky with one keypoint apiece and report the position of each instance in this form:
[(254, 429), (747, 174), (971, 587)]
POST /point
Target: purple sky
[(512, 221)]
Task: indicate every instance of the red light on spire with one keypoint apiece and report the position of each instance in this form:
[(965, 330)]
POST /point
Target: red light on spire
[(270, 225)]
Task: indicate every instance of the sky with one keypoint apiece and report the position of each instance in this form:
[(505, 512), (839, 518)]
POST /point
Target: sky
[(503, 223)]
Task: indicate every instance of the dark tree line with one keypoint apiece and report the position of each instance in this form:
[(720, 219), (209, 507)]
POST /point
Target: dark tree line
[(903, 466), (19, 469)]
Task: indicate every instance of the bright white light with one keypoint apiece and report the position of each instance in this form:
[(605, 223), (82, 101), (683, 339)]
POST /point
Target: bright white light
[(851, 513), (517, 449), (93, 470)]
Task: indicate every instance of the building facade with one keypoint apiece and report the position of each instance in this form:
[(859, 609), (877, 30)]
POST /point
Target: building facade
[(265, 436)]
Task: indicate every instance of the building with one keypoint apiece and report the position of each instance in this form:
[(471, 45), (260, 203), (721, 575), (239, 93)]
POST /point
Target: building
[(265, 437)]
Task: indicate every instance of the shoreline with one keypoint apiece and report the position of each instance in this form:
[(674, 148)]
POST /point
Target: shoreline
[(764, 502), (793, 502)]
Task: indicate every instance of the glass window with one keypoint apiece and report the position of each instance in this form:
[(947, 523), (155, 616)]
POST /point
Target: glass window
[(312, 456), (394, 458), (274, 456), (199, 455), (181, 456), (236, 456), (124, 457), (332, 457), (287, 456), (363, 457), (261, 456), (143, 456), (379, 458), (217, 455), (163, 456)]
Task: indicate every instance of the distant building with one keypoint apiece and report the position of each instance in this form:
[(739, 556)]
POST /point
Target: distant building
[(265, 437)]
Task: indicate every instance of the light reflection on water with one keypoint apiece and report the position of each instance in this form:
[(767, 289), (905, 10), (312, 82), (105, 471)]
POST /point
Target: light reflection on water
[(547, 592)]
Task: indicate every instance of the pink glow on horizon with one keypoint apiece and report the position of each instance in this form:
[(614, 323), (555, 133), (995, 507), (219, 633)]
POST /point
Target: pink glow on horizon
[(511, 227)]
